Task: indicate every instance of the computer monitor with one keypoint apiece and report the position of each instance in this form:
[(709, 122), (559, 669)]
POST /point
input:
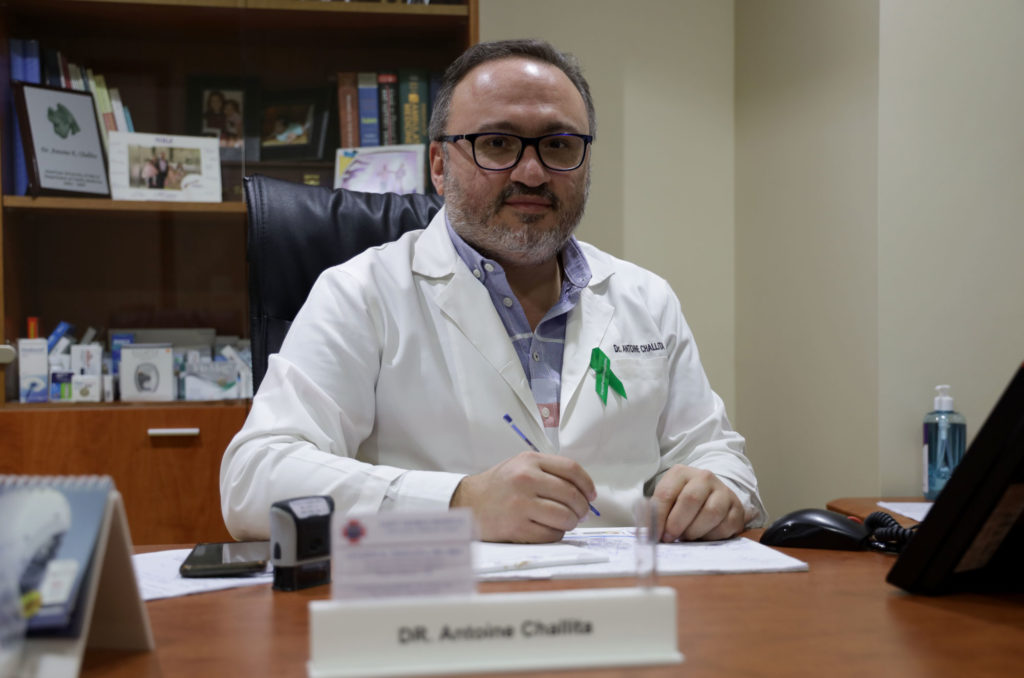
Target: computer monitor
[(973, 537)]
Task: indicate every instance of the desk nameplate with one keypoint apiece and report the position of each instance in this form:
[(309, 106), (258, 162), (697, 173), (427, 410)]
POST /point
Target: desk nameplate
[(499, 631)]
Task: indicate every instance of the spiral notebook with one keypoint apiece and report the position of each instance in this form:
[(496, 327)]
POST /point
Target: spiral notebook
[(76, 563)]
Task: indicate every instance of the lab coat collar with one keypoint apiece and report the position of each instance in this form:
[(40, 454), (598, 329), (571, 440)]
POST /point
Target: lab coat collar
[(461, 298)]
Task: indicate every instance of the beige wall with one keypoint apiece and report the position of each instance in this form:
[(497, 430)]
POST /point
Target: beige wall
[(662, 192), (844, 232), (950, 216), (806, 125)]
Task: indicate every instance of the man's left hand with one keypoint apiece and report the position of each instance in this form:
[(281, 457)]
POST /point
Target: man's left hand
[(694, 504)]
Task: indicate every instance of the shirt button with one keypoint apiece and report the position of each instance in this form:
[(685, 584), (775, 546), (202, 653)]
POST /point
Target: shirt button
[(545, 412), (507, 301), (536, 357), (489, 267), (477, 273)]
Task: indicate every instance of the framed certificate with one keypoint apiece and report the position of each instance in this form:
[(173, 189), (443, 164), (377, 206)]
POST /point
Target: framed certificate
[(61, 136)]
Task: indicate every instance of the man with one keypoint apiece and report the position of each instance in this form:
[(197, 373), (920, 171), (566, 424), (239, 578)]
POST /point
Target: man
[(390, 388), (162, 167)]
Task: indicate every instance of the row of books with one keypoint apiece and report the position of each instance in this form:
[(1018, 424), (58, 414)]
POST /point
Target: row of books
[(385, 108), (31, 63)]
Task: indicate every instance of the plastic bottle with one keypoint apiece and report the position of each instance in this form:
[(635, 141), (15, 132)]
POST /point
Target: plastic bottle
[(945, 438)]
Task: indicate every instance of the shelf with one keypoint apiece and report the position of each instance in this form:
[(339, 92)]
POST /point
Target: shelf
[(393, 8), (15, 406), (24, 202)]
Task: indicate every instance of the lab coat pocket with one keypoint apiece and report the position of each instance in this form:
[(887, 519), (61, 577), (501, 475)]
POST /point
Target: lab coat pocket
[(628, 426)]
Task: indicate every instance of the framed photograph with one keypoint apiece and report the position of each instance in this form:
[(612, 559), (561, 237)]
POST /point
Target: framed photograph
[(164, 167), (381, 169), (294, 125), (61, 136), (227, 108)]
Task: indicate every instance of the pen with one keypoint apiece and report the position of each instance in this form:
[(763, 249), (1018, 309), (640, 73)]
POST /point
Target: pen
[(534, 448)]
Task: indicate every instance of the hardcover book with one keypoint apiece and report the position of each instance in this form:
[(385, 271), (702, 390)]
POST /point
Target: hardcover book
[(348, 109), (106, 107), (17, 152), (387, 95), (412, 97), (369, 107)]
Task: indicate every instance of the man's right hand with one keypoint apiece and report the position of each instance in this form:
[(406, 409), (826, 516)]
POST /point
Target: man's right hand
[(529, 498)]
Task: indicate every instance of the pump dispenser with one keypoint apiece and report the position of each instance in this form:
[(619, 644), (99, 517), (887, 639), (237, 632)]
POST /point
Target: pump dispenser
[(945, 439)]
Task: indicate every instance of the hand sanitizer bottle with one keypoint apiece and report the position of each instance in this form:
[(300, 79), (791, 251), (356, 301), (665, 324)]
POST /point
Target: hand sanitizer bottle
[(945, 438)]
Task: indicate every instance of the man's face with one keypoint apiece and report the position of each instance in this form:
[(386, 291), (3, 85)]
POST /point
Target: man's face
[(524, 215)]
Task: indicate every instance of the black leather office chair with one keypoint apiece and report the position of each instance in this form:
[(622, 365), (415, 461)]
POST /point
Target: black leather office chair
[(296, 231)]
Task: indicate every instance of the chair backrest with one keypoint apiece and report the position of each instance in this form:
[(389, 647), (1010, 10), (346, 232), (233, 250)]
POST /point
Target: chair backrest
[(296, 231)]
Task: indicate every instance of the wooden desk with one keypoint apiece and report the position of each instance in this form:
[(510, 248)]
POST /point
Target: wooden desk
[(838, 619), (861, 507)]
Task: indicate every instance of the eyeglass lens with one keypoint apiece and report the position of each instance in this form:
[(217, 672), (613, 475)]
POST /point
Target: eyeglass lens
[(500, 151)]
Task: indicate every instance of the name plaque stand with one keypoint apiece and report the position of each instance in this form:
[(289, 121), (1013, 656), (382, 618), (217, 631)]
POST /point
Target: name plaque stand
[(429, 635)]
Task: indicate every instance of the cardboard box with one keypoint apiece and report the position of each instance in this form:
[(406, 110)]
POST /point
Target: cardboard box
[(33, 370), (147, 372), (86, 388), (87, 359)]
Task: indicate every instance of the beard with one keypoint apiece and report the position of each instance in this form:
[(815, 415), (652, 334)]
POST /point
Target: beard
[(518, 239)]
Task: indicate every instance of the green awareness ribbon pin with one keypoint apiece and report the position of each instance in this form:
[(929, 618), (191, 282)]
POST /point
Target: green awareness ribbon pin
[(602, 366)]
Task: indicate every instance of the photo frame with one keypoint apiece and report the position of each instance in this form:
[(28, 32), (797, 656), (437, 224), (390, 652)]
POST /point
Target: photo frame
[(164, 167), (227, 108), (294, 125), (62, 140)]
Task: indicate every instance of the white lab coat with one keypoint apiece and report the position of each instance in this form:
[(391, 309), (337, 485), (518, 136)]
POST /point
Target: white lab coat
[(392, 382)]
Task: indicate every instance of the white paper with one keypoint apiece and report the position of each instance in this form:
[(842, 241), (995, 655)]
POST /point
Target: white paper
[(158, 576), (916, 510), (187, 168), (586, 552), (490, 557), (732, 556)]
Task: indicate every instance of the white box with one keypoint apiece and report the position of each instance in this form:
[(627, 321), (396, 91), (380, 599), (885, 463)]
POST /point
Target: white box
[(86, 388), (87, 359), (147, 372), (33, 371)]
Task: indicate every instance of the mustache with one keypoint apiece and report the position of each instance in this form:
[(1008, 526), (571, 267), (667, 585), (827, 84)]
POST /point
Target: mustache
[(516, 189)]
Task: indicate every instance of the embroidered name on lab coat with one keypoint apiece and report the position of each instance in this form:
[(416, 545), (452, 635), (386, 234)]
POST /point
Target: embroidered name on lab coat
[(650, 347)]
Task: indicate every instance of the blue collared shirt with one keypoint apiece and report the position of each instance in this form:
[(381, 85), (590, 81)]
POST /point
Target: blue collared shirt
[(540, 351)]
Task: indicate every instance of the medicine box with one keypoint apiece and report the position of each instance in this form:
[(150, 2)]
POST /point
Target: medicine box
[(87, 359), (33, 370), (86, 388), (147, 372)]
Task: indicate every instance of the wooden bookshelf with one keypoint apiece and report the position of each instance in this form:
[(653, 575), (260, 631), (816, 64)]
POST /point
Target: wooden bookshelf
[(110, 263)]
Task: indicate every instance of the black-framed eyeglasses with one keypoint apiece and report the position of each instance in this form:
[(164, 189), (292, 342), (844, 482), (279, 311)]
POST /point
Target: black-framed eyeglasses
[(497, 151)]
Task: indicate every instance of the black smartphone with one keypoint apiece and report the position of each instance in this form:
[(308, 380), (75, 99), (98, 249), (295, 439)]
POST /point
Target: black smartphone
[(226, 559)]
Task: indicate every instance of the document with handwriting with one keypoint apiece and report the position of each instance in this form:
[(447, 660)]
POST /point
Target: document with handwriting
[(736, 555)]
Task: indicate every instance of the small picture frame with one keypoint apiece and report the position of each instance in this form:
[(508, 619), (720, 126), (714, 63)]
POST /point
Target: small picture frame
[(294, 125), (164, 167), (62, 140), (227, 108), (381, 169)]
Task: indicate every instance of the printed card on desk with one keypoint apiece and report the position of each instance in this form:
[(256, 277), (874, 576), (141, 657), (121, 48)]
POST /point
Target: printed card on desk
[(164, 167), (402, 554)]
